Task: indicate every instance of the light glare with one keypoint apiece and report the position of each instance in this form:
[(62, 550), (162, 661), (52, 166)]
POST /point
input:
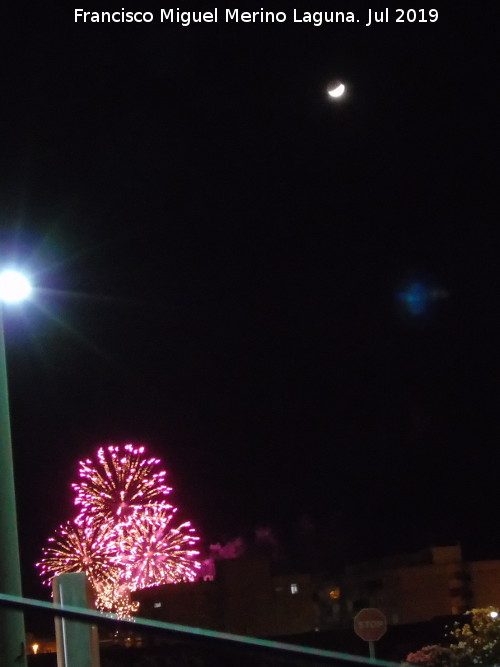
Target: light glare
[(13, 286)]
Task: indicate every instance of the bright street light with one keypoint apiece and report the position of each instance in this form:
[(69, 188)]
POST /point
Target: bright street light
[(13, 287)]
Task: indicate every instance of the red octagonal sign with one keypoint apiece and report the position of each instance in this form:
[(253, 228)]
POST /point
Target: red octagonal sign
[(370, 624)]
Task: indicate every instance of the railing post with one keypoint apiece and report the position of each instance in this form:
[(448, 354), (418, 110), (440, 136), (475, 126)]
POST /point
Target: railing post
[(77, 642)]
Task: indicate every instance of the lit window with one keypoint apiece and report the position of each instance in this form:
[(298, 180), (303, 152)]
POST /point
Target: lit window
[(294, 589), (157, 604)]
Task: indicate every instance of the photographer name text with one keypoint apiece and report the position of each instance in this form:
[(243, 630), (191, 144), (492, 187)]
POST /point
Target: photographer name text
[(317, 19)]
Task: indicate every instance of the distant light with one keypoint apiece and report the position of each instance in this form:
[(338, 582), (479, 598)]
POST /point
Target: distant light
[(35, 648), (13, 286), (336, 91), (493, 614)]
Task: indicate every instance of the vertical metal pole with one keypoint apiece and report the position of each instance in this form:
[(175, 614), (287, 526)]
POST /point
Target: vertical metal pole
[(371, 646), (77, 642), (12, 633)]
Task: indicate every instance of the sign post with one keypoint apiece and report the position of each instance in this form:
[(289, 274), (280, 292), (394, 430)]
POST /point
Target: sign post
[(370, 624), (77, 642)]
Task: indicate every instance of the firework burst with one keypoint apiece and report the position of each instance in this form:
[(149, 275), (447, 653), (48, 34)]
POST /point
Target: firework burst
[(120, 483), (154, 552), (80, 548), (124, 537)]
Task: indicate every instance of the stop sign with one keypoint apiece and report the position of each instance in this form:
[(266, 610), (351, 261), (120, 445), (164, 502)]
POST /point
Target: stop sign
[(370, 624)]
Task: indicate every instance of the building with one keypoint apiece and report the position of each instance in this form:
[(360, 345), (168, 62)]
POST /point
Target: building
[(244, 598), (247, 598), (411, 588), (485, 582)]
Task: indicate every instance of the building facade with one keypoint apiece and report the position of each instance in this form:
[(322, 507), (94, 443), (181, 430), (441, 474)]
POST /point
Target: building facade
[(411, 588), (244, 598)]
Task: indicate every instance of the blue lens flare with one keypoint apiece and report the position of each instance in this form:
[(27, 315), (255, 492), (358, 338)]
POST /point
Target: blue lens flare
[(416, 298)]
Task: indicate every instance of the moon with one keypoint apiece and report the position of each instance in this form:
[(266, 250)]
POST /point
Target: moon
[(338, 91)]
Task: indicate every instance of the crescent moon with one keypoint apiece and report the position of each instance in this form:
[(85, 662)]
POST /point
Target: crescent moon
[(338, 91)]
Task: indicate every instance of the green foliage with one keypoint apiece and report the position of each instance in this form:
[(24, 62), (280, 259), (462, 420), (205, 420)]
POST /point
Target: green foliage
[(475, 642)]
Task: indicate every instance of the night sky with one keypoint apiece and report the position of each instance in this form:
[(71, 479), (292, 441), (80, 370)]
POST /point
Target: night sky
[(293, 301)]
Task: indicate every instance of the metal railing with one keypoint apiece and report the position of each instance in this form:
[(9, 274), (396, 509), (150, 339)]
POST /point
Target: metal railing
[(263, 651)]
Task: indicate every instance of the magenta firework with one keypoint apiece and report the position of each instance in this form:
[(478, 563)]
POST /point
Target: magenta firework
[(121, 482), (125, 536), (154, 551), (79, 548)]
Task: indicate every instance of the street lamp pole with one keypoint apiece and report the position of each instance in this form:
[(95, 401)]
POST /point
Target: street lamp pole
[(12, 633)]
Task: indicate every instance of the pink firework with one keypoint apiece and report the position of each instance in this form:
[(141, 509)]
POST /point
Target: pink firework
[(154, 552), (80, 548), (115, 597), (124, 537), (120, 483)]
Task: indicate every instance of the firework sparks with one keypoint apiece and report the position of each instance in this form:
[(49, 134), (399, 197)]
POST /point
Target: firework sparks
[(124, 537), (155, 552), (120, 483), (80, 548), (115, 597)]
